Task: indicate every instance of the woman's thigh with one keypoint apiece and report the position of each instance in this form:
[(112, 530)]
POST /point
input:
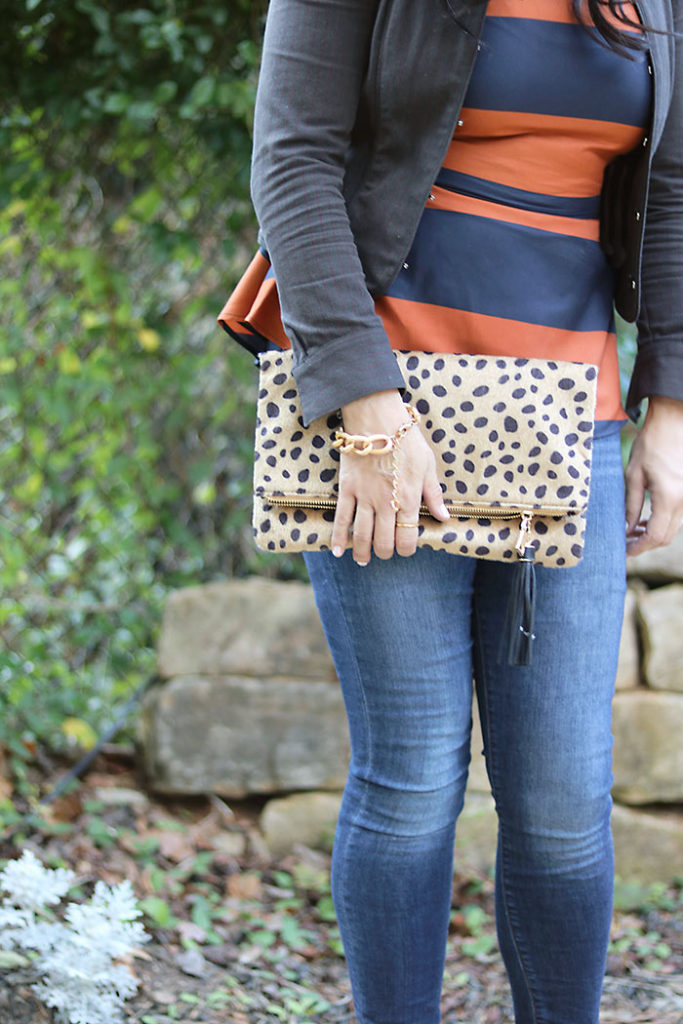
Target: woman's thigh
[(547, 726), (400, 635)]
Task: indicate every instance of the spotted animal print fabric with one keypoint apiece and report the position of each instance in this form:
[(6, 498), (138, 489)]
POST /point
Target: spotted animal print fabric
[(512, 439)]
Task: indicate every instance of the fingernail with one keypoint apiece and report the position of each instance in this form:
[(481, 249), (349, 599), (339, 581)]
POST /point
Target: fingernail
[(361, 563), (444, 511), (337, 552)]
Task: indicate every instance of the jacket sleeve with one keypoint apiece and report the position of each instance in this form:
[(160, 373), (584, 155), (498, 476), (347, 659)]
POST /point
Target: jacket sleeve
[(659, 362), (314, 59)]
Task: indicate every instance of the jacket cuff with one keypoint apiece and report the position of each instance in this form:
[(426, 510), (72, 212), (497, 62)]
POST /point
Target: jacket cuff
[(658, 370), (343, 370)]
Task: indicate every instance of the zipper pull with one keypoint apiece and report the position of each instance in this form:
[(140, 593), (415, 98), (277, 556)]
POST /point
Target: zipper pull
[(524, 530)]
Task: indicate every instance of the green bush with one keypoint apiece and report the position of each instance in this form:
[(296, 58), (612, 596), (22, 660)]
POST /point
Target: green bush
[(125, 413)]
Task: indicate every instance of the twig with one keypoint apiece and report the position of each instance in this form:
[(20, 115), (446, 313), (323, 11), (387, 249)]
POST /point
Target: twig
[(106, 736), (219, 805)]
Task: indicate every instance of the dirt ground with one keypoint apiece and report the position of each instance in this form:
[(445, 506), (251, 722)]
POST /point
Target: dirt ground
[(239, 939)]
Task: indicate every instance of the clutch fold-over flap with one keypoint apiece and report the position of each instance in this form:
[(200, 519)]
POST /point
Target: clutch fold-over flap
[(506, 432)]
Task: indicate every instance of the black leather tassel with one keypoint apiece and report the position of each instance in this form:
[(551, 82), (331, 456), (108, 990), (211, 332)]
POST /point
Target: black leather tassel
[(519, 619)]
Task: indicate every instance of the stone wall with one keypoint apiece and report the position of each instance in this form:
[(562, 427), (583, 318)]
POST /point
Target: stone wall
[(249, 704)]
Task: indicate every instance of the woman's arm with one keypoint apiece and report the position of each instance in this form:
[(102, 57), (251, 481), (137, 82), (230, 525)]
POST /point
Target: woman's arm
[(314, 61), (658, 367), (656, 466), (656, 463)]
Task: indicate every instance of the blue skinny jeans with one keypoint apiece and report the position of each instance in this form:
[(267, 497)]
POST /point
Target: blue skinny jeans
[(407, 636)]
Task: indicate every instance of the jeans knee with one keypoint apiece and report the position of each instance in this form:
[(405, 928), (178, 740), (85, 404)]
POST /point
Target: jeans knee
[(401, 811), (570, 841)]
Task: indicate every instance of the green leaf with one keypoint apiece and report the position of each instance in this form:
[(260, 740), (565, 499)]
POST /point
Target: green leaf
[(201, 913), (293, 935), (101, 834), (158, 911), (143, 110), (141, 16), (9, 960), (282, 879), (325, 908), (263, 937), (146, 204), (202, 92), (117, 102), (630, 895), (165, 92), (475, 918), (277, 1011), (481, 946)]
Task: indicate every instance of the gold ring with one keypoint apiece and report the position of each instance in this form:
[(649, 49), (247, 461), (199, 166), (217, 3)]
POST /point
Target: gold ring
[(408, 525)]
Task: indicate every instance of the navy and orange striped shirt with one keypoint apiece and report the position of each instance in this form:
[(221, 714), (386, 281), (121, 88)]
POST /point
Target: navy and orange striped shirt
[(506, 259)]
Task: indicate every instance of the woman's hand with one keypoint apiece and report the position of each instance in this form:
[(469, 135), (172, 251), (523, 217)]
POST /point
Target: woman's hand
[(365, 483), (656, 465)]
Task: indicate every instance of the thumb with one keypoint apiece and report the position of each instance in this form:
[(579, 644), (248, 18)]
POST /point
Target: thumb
[(433, 497)]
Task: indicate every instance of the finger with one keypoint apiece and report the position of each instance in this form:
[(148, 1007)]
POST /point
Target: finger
[(406, 533), (343, 518), (665, 527), (637, 541), (645, 536), (635, 497), (433, 497), (362, 533), (383, 539), (404, 537), (405, 525), (658, 531)]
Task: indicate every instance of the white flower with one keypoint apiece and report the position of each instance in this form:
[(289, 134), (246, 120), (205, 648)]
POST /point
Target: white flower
[(81, 979), (33, 886), (13, 922)]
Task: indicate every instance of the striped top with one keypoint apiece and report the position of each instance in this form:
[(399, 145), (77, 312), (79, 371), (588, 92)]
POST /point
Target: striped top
[(506, 259)]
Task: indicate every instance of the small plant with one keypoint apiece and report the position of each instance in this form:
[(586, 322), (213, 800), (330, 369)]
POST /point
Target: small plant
[(77, 957)]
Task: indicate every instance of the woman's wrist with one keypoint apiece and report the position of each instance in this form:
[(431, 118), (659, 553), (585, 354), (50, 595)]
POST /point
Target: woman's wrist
[(662, 405), (379, 412)]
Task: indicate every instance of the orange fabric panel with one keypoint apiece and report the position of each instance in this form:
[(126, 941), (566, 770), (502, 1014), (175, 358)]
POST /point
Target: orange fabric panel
[(425, 327), (455, 202), (536, 10), (428, 328), (494, 145), (547, 10), (255, 303)]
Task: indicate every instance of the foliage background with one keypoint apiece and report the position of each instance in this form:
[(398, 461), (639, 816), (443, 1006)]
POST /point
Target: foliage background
[(125, 412)]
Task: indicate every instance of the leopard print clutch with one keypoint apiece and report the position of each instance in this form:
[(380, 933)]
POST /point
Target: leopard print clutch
[(512, 439)]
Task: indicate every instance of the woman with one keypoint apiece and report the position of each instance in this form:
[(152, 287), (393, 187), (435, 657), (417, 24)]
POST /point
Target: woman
[(428, 176)]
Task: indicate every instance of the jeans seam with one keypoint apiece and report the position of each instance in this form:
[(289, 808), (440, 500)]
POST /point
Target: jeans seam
[(354, 823), (479, 649), (351, 647), (506, 900)]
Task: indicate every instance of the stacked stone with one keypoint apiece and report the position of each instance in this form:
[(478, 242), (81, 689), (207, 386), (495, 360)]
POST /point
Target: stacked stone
[(249, 704), (648, 719)]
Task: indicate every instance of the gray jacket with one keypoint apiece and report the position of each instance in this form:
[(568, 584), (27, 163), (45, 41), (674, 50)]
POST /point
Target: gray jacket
[(356, 106)]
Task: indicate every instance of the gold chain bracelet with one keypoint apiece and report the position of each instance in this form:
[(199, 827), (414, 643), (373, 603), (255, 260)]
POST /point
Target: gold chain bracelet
[(362, 444), (378, 444)]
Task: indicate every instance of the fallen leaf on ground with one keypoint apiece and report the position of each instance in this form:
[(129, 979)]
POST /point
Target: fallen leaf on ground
[(245, 886), (190, 930)]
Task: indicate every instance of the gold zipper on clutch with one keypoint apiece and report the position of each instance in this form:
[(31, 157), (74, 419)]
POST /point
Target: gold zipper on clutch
[(525, 515)]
